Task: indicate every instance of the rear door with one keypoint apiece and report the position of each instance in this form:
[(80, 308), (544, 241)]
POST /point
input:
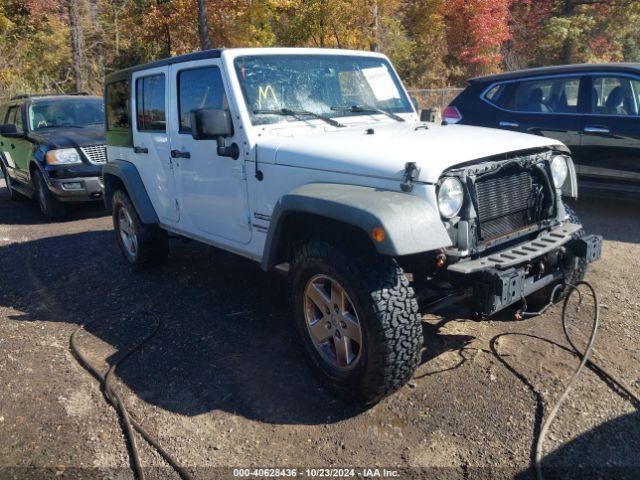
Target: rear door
[(151, 150), (17, 151), (547, 106), (611, 131)]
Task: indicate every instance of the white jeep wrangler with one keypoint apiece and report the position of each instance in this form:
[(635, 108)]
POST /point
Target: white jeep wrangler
[(315, 162)]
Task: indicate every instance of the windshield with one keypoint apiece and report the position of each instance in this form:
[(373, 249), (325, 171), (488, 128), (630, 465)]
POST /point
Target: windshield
[(66, 113), (321, 84)]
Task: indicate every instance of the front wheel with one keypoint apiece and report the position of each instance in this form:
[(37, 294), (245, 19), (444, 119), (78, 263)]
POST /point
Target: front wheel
[(358, 321), (49, 205), (141, 245)]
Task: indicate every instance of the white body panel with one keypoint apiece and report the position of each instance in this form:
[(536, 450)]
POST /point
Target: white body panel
[(155, 166), (222, 202)]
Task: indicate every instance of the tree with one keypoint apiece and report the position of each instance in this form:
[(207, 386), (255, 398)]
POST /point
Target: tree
[(203, 30)]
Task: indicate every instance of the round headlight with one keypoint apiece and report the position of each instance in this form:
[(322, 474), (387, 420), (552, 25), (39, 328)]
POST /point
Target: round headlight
[(559, 170), (450, 197)]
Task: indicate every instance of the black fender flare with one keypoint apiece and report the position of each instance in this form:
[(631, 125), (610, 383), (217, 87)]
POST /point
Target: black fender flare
[(128, 174), (411, 224)]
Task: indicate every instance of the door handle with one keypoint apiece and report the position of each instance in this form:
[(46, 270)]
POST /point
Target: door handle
[(509, 124), (140, 150), (596, 129), (179, 154)]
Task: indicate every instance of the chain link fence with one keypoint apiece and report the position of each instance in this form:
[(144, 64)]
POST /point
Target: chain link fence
[(435, 99)]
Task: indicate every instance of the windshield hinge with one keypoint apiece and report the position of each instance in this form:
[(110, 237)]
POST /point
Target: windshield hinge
[(411, 171)]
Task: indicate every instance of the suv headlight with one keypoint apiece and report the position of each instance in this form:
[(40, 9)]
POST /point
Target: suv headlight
[(63, 156), (559, 170), (450, 197)]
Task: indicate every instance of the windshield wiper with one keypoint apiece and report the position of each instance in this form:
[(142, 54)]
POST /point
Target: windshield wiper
[(296, 113), (367, 109)]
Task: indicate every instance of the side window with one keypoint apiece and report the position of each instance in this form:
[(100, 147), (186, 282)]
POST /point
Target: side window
[(199, 88), (15, 117), (547, 95), (117, 103), (611, 95), (498, 95), (150, 103)]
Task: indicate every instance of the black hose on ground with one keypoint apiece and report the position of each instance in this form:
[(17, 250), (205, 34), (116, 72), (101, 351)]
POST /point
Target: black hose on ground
[(129, 424), (582, 355)]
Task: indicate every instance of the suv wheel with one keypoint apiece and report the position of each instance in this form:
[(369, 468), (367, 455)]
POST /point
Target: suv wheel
[(49, 205), (14, 195), (358, 321), (141, 244)]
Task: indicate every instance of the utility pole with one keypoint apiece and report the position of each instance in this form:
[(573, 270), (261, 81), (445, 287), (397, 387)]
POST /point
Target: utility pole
[(374, 44), (203, 30), (77, 44)]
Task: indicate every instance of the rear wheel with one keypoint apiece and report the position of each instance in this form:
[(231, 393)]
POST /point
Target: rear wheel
[(358, 321), (49, 205), (13, 194), (142, 245)]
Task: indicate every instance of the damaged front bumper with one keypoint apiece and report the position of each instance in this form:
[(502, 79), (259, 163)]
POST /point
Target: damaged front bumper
[(503, 278)]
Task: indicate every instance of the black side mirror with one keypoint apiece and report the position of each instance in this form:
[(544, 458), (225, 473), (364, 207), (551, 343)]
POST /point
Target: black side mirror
[(214, 124), (211, 123), (428, 115), (10, 130)]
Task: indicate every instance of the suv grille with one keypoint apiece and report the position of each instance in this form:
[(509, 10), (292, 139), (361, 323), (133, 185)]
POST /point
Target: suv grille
[(504, 204), (95, 153)]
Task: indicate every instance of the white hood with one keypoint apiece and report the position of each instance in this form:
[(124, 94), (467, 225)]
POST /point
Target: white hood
[(385, 152)]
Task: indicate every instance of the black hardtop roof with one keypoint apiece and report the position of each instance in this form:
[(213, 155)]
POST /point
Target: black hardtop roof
[(126, 73), (559, 69)]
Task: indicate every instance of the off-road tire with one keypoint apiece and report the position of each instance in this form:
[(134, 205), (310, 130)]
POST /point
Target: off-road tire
[(575, 269), (388, 313), (49, 205), (13, 194), (152, 242)]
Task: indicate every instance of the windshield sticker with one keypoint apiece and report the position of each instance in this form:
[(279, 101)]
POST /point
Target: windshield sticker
[(381, 83), (268, 95)]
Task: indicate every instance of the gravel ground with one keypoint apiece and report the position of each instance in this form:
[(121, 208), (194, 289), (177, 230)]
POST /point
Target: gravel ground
[(224, 384)]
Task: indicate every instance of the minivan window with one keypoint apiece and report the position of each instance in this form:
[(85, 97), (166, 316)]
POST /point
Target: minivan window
[(150, 103), (118, 108), (546, 95), (199, 88), (74, 113), (613, 95)]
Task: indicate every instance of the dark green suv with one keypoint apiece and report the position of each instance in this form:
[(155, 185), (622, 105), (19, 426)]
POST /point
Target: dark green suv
[(52, 149)]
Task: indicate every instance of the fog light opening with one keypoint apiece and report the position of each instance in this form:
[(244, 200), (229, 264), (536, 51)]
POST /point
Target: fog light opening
[(72, 186)]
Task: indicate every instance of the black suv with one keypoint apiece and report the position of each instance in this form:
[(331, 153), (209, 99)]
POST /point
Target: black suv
[(593, 109), (52, 148)]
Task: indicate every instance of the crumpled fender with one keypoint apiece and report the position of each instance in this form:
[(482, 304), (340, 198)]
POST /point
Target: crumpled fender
[(411, 224)]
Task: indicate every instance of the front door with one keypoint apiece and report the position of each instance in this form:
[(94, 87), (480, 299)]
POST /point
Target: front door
[(212, 190), (151, 151), (611, 132)]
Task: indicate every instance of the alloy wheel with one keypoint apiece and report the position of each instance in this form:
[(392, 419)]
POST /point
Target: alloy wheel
[(332, 322), (127, 232)]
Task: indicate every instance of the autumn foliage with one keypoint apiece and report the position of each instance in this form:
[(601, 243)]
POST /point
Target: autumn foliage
[(433, 43)]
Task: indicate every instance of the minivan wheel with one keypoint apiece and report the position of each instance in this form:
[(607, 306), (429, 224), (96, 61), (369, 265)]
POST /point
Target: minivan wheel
[(142, 245), (357, 319), (49, 205)]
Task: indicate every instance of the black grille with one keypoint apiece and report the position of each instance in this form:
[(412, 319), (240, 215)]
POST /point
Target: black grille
[(504, 204)]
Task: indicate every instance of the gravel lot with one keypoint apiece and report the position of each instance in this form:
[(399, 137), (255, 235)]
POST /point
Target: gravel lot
[(224, 383)]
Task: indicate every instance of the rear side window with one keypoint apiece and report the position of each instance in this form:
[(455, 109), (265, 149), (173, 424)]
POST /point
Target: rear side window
[(546, 95), (150, 103), (118, 108), (199, 88), (611, 95)]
